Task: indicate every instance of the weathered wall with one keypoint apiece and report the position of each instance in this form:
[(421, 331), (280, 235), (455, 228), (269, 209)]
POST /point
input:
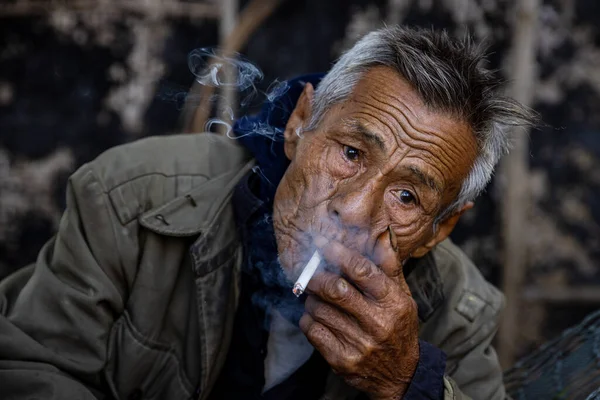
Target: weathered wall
[(72, 85)]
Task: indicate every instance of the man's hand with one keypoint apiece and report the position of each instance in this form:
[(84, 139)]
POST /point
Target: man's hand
[(367, 330)]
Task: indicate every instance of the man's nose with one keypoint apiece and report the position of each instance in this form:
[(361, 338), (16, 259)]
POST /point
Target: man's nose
[(354, 205)]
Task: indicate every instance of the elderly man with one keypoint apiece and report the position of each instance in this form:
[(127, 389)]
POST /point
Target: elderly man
[(170, 276)]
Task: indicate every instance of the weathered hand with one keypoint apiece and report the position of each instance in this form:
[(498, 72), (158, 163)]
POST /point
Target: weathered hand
[(368, 330)]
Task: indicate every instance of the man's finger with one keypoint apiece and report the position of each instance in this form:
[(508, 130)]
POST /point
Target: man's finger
[(369, 278), (339, 293), (387, 257), (323, 340), (336, 290), (343, 326)]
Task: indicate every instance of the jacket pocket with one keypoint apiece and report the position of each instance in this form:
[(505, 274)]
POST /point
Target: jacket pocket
[(139, 368)]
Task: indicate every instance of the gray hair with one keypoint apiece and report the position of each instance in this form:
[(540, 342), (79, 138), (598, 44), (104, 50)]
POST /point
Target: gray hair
[(449, 76)]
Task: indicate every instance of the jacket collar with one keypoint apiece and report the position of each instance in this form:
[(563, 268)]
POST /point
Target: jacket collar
[(196, 211)]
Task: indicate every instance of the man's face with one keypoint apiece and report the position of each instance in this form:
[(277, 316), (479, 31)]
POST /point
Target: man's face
[(379, 159)]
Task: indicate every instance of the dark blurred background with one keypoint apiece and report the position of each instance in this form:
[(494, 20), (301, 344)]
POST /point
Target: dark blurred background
[(78, 77)]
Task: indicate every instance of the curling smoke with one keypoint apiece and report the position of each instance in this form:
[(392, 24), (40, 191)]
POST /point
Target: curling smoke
[(227, 73), (210, 69), (276, 90)]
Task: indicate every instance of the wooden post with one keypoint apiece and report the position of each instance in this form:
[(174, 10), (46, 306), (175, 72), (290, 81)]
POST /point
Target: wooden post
[(194, 116), (514, 171), (227, 101)]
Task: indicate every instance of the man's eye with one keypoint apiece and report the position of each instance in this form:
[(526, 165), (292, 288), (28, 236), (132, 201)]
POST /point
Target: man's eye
[(351, 153), (406, 197)]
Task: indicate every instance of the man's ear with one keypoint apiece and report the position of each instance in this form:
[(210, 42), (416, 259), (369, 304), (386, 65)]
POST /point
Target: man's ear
[(444, 229), (299, 118)]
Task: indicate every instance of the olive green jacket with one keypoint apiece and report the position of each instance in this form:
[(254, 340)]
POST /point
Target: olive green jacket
[(135, 295)]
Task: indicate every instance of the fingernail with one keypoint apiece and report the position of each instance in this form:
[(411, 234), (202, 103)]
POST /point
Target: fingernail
[(342, 286), (362, 269), (393, 238)]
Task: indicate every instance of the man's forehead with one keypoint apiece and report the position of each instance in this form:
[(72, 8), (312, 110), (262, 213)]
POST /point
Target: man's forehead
[(386, 81), (382, 90)]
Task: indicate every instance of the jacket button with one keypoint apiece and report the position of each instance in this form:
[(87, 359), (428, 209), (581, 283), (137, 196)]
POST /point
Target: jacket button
[(135, 395)]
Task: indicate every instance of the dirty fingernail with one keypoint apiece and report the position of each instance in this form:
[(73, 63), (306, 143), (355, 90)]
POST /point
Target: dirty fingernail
[(393, 238), (342, 286)]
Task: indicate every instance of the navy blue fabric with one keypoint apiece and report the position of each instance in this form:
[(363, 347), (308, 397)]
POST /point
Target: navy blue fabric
[(428, 380), (267, 146), (264, 285)]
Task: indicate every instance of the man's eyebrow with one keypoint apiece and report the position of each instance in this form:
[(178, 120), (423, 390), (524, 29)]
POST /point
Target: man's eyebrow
[(425, 179), (359, 128)]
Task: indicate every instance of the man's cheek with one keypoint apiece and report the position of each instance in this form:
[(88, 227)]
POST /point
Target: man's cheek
[(293, 253), (412, 237), (337, 166), (317, 187)]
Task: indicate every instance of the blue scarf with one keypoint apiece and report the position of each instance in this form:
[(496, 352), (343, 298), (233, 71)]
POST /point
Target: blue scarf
[(262, 134)]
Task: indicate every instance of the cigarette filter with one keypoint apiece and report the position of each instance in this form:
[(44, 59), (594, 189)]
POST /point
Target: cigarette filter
[(307, 274)]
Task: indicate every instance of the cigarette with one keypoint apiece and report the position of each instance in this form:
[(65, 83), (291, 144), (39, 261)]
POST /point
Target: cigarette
[(307, 274)]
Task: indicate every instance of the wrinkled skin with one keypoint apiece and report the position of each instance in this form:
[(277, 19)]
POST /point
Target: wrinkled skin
[(381, 158)]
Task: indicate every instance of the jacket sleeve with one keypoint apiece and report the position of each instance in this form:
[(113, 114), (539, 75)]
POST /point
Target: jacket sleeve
[(464, 322), (452, 391), (54, 328), (429, 380), (478, 369)]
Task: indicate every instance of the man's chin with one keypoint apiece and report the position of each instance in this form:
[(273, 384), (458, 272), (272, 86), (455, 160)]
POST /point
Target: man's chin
[(290, 273), (291, 268), (291, 256)]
